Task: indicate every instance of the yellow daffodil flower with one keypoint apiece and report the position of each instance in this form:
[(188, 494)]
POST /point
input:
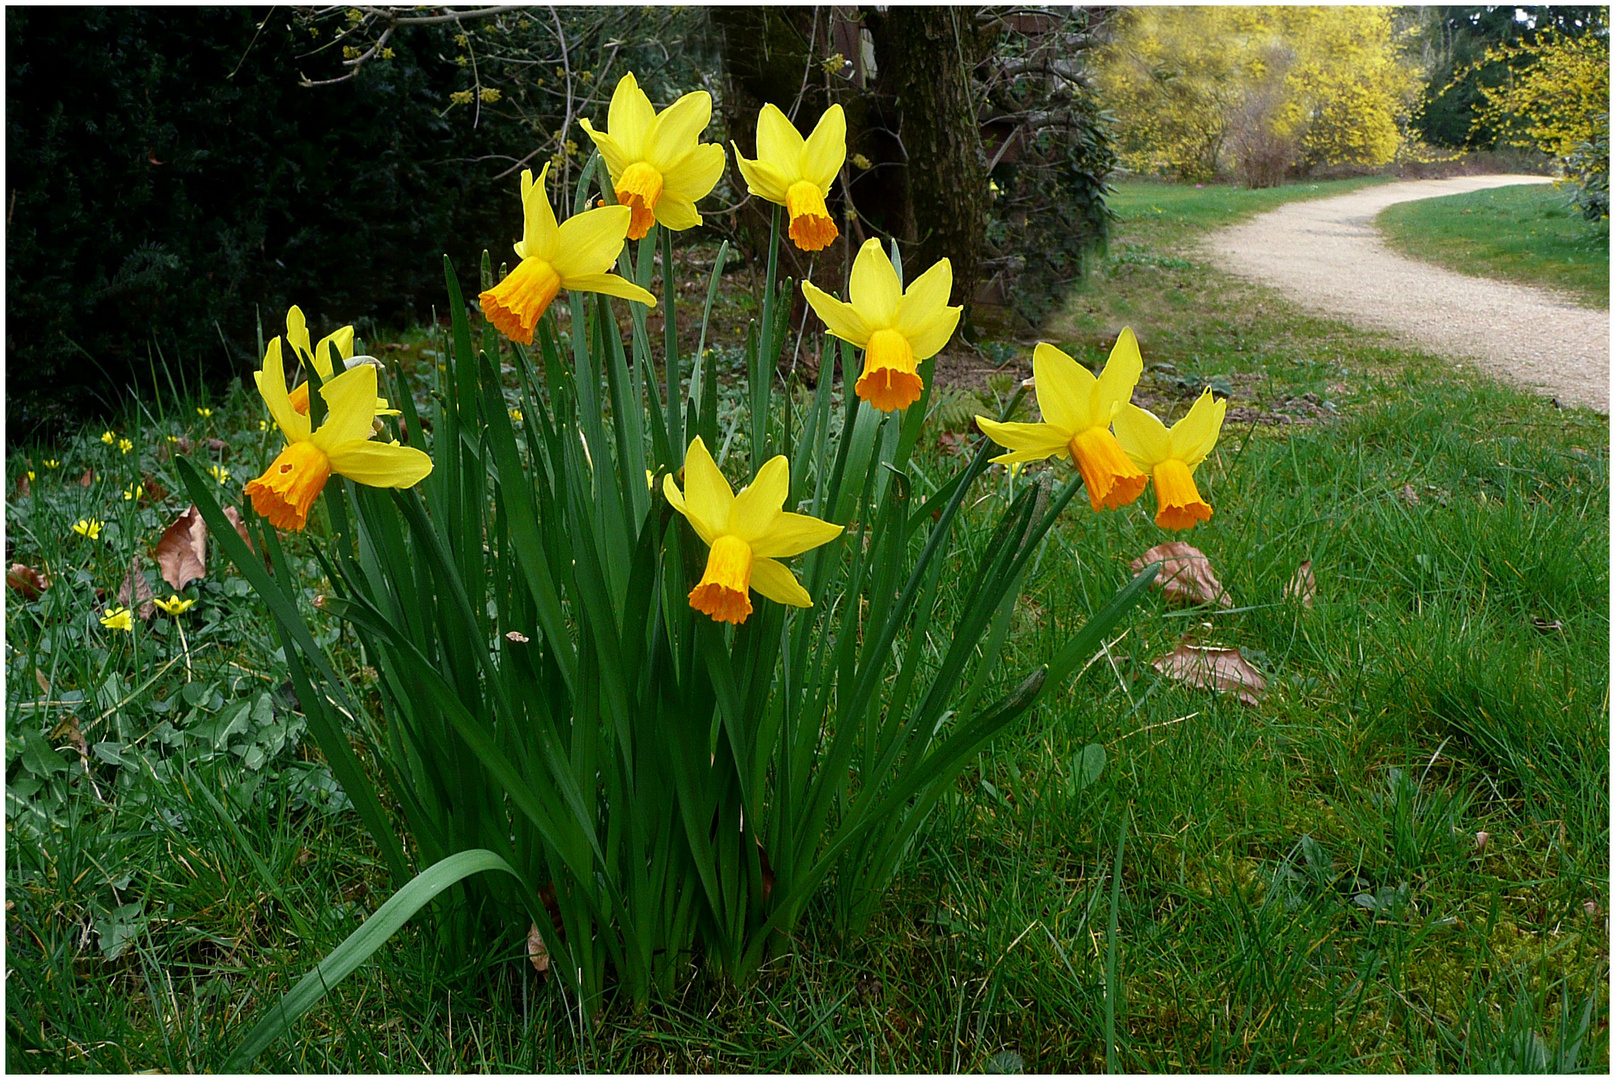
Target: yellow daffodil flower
[(124, 446), (342, 445), (88, 527), (1077, 410), (657, 167), (796, 173), (895, 328), (297, 336), (118, 618), (107, 437), (1170, 457), (574, 256), (747, 534), (174, 605)]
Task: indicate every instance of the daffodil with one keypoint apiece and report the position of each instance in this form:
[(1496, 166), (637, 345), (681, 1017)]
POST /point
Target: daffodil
[(1077, 411), (342, 445), (573, 256), (88, 527), (174, 605), (118, 618), (895, 328), (297, 337), (747, 534), (657, 167), (796, 173), (1170, 457)]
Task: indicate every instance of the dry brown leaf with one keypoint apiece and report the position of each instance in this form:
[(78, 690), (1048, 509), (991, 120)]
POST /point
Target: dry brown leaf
[(69, 729), (218, 446), (1185, 575), (44, 683), (135, 591), (88, 478), (24, 487), (27, 581), (1302, 586), (241, 527), (537, 951), (182, 549), (1213, 668), (151, 491), (1409, 496)]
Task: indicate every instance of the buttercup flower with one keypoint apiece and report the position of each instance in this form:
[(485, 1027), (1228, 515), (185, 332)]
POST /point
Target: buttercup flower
[(657, 167), (118, 618), (1170, 457), (342, 445), (574, 256), (124, 446), (895, 328), (107, 437), (297, 337), (220, 473), (88, 527), (796, 173), (51, 463), (747, 534), (174, 605), (130, 494), (1077, 410), (204, 412)]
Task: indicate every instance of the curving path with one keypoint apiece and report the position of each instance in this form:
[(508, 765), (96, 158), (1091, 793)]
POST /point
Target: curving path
[(1326, 255)]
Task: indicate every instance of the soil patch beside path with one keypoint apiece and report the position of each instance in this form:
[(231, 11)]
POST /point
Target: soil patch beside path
[(1326, 255)]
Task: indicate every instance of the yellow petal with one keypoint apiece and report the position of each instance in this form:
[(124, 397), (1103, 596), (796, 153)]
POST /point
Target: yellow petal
[(792, 534), (1120, 375), (297, 332), (676, 212), (1064, 390), (610, 285), (342, 339), (1036, 440), (590, 242), (925, 295), (841, 319), (693, 178), (873, 287), (707, 495), (674, 133), (617, 159), (380, 464), (1193, 437), (776, 582), (826, 148), (928, 337), (757, 507), (271, 380), (762, 179), (778, 142), (630, 116), (1143, 437), (540, 234), (350, 403)]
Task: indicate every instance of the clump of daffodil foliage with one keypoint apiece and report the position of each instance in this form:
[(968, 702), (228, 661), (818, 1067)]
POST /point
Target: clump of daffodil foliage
[(661, 712)]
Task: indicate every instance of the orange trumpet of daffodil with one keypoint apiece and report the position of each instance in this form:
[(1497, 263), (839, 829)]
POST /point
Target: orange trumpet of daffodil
[(1077, 410), (747, 534), (796, 173), (340, 445), (297, 337), (657, 167), (896, 328), (574, 256), (1170, 457)]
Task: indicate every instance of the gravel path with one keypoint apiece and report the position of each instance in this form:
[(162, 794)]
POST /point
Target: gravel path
[(1327, 255)]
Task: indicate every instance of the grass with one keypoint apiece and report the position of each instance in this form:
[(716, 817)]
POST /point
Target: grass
[(1529, 234), (1299, 886)]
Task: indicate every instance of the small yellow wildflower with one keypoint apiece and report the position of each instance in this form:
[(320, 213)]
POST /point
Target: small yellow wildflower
[(118, 618), (30, 476), (460, 97), (747, 534), (203, 411), (107, 437), (263, 425), (51, 463), (174, 605), (516, 415), (173, 438), (490, 94), (124, 446), (89, 527), (130, 494), (219, 473), (387, 53), (351, 52)]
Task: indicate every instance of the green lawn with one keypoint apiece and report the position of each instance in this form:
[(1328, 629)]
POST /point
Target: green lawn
[(1295, 885), (1529, 234)]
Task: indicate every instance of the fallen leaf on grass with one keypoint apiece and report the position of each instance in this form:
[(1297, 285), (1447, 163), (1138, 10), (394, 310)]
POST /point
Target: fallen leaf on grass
[(88, 478), (234, 516), (1213, 668), (136, 592), (69, 729), (1409, 496), (151, 491), (537, 951), (27, 581), (182, 549), (1185, 575), (23, 486), (1302, 586)]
